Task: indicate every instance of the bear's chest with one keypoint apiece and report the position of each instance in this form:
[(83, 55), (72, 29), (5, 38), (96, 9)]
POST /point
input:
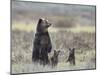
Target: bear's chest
[(44, 40)]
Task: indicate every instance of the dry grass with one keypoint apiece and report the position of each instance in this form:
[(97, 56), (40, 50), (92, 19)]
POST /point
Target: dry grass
[(83, 61), (32, 27), (83, 39)]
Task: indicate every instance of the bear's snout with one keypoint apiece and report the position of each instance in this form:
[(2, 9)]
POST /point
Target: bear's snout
[(49, 24)]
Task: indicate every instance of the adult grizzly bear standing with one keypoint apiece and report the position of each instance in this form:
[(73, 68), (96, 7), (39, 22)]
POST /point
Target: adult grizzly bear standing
[(42, 43)]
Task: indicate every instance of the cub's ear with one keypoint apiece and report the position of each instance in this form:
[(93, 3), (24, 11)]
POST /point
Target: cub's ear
[(73, 48), (69, 49), (54, 51), (40, 20), (59, 51)]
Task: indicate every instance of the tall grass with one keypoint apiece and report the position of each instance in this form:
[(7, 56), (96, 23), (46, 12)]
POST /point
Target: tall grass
[(72, 27), (32, 27), (82, 38)]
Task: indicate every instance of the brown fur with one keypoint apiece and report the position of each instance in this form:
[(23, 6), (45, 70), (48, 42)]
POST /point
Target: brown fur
[(71, 57), (54, 58), (42, 43)]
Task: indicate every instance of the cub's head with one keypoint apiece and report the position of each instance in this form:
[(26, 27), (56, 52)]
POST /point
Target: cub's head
[(56, 53), (43, 25), (71, 51)]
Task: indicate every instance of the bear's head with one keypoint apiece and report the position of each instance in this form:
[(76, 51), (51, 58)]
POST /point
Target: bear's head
[(43, 25), (71, 51)]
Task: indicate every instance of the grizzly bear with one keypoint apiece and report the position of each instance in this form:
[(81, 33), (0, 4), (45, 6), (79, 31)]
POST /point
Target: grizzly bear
[(54, 58), (71, 57), (42, 42)]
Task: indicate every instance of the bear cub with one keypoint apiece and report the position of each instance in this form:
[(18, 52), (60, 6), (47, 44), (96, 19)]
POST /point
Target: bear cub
[(71, 57), (42, 42), (54, 58)]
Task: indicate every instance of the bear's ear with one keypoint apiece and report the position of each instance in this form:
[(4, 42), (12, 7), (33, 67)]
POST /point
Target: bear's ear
[(54, 51), (73, 49), (40, 20), (69, 49), (59, 51)]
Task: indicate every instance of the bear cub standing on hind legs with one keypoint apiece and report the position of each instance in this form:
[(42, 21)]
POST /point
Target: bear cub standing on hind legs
[(71, 58), (54, 58), (42, 43)]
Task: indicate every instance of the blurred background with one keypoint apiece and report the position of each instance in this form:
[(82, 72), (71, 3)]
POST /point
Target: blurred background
[(72, 26)]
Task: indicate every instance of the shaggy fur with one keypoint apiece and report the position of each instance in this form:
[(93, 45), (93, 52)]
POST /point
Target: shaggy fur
[(54, 58), (71, 57), (42, 43)]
